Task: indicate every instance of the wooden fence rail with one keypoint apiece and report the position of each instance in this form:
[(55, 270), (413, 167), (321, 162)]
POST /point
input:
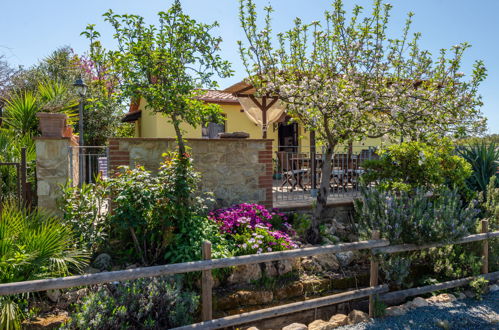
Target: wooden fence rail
[(375, 245)]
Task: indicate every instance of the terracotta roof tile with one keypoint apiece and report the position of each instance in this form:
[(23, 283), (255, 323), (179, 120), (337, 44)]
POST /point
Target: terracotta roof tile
[(215, 96)]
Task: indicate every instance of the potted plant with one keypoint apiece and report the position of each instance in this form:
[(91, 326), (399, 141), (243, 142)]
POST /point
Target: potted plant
[(55, 104)]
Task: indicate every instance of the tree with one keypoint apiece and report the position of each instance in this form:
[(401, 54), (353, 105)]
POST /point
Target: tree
[(345, 79), (167, 64)]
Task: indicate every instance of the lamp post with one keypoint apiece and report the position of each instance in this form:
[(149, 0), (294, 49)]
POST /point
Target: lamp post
[(81, 89)]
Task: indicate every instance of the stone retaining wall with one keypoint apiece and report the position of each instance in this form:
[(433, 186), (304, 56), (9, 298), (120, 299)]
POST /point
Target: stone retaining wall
[(235, 170)]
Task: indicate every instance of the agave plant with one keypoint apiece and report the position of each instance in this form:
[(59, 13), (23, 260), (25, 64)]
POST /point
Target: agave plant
[(33, 245), (484, 159)]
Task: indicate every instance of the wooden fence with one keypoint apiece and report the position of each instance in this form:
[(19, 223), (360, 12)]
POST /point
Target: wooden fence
[(375, 245)]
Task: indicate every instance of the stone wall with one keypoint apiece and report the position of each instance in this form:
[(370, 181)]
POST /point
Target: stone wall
[(53, 169), (235, 170)]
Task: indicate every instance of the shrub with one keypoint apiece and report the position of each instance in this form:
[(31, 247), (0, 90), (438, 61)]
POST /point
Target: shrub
[(157, 303), (33, 245), (483, 158), (249, 227), (452, 261), (163, 217), (411, 165), (479, 286), (85, 210), (415, 217)]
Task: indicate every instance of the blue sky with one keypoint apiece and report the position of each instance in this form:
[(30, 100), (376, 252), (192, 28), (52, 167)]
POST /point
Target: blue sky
[(31, 29)]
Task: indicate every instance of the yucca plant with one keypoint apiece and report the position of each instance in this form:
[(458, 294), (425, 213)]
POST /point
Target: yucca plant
[(484, 160), (33, 245)]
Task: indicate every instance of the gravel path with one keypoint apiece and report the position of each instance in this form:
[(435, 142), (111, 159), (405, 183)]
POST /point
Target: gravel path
[(461, 314)]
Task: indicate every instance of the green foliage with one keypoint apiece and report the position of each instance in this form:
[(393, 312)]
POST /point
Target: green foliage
[(490, 203), (397, 269), (85, 212), (479, 286), (415, 217), (163, 216), (301, 224), (166, 64), (33, 245), (156, 303), (410, 165), (379, 308), (484, 158), (452, 261)]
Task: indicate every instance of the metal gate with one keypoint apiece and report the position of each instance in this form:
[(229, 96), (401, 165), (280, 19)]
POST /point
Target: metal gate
[(23, 191), (89, 162)]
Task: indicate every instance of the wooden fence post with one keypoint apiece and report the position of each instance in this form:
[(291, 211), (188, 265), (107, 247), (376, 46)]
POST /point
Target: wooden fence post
[(373, 278), (206, 286), (485, 247)]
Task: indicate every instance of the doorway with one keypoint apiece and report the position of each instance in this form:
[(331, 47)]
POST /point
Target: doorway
[(288, 136)]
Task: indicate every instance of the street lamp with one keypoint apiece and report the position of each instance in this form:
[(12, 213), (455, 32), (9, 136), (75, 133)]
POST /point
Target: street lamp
[(81, 89)]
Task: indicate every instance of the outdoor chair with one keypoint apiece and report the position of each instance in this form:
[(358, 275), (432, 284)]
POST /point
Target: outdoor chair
[(292, 169)]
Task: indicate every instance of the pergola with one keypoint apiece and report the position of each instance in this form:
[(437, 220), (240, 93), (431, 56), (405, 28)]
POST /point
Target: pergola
[(264, 111)]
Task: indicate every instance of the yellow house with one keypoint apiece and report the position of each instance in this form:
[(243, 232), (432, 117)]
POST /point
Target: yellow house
[(284, 132)]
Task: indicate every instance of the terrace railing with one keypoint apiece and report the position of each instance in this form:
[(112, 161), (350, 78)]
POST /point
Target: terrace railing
[(297, 171), (375, 245)]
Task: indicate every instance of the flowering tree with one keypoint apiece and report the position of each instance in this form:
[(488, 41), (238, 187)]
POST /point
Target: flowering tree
[(346, 79), (167, 64)]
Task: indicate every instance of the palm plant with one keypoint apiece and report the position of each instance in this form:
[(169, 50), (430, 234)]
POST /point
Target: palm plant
[(33, 245), (20, 114), (484, 159)]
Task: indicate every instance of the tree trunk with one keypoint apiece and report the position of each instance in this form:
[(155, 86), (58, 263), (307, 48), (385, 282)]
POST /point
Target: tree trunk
[(322, 195), (180, 139)]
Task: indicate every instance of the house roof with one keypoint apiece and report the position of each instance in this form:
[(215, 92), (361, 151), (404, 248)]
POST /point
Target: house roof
[(211, 96), (219, 97), (240, 88)]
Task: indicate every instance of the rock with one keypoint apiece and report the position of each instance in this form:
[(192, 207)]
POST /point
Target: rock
[(310, 265), (356, 316), (418, 302), (494, 288), (102, 262), (395, 310), (295, 289), (53, 295), (327, 261), (469, 293), (284, 266), (441, 298), (296, 264), (314, 284), (270, 269), (254, 297), (245, 274), (338, 320), (460, 296), (345, 258), (320, 325), (295, 326), (444, 324), (72, 297), (91, 270)]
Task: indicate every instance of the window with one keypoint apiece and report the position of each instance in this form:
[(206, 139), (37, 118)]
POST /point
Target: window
[(211, 130)]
